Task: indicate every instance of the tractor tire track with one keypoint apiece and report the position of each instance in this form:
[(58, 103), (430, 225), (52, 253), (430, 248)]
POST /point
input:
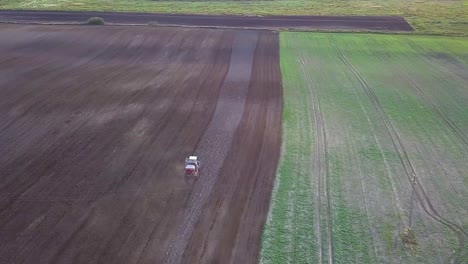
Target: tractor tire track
[(438, 110), (321, 166), (386, 164), (416, 185)]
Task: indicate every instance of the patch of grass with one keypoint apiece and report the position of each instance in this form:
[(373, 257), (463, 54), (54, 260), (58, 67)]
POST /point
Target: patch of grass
[(428, 16), (419, 81), (289, 235), (388, 236), (373, 153), (352, 240)]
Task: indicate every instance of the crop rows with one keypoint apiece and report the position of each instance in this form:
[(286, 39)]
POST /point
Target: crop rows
[(379, 124)]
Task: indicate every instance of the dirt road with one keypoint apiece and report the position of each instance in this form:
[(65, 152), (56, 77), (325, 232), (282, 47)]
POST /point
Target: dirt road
[(96, 123), (387, 23)]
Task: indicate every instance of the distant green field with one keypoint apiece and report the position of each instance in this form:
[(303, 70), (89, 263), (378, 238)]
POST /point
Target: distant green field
[(375, 141), (431, 16)]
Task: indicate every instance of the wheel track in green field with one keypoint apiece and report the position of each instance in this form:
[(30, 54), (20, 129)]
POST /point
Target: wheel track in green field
[(428, 99), (452, 125), (416, 184), (321, 169), (310, 106)]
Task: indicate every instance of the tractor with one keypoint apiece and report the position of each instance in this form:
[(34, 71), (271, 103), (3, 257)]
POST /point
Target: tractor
[(192, 165)]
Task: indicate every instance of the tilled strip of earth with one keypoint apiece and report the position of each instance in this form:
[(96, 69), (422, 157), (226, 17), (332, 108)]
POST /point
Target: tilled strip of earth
[(218, 136), (96, 123), (384, 23)]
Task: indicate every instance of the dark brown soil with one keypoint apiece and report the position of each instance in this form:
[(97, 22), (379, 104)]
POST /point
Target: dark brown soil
[(239, 203), (386, 23), (96, 123)]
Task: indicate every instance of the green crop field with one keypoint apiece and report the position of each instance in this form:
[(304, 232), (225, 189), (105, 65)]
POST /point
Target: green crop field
[(374, 166), (427, 16)]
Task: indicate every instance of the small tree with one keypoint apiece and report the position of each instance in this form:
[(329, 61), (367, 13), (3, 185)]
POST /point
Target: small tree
[(95, 21), (409, 238)]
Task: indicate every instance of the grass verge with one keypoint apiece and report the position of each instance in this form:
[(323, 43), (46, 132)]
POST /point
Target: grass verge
[(289, 235), (427, 16)]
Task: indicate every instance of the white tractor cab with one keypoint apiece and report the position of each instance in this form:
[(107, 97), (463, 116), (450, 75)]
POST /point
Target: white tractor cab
[(192, 165)]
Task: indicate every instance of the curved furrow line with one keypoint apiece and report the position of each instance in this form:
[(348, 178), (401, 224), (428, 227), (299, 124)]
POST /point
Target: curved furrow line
[(386, 164), (402, 153), (320, 161), (429, 100), (391, 178), (397, 142), (409, 168)]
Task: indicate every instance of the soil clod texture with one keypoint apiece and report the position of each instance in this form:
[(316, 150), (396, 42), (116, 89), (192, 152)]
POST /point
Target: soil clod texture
[(96, 123)]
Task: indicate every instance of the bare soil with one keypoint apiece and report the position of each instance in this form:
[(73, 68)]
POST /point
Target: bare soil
[(385, 23), (96, 123)]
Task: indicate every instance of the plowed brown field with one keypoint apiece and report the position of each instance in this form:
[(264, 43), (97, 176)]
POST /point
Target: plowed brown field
[(95, 126)]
